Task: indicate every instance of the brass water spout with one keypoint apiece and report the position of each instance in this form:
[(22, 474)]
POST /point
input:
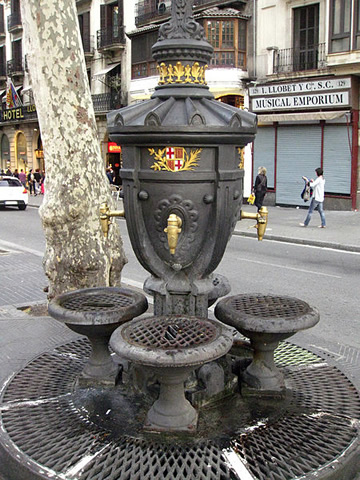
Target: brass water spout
[(173, 229), (105, 217), (261, 218)]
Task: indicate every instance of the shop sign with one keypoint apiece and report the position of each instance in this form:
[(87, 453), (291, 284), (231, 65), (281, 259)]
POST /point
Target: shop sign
[(304, 95), (16, 114), (338, 99), (113, 148)]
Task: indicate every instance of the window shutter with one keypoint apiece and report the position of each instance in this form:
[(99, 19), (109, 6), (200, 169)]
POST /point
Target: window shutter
[(2, 24), (103, 16)]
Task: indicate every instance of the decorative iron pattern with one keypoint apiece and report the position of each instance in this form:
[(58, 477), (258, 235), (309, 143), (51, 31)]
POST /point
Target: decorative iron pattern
[(46, 427), (268, 306), (147, 460), (83, 302), (188, 211), (170, 332)]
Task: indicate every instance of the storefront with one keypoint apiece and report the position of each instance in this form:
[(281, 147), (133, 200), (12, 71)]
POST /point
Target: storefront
[(303, 126), (5, 153), (114, 160), (21, 152)]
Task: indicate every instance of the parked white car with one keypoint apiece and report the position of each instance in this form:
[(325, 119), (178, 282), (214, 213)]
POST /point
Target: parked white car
[(13, 193)]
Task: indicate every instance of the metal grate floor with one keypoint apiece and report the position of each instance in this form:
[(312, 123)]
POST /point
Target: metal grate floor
[(60, 432)]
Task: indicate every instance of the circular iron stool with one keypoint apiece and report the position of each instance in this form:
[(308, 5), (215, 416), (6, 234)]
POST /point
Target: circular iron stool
[(266, 320), (97, 312), (171, 347)]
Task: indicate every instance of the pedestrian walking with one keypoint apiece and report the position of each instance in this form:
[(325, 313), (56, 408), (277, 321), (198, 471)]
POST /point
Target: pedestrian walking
[(42, 183), (31, 182), (110, 175), (37, 177), (22, 177), (317, 200), (260, 187)]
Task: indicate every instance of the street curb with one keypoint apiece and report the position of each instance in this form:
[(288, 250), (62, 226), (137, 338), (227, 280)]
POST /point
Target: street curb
[(300, 241)]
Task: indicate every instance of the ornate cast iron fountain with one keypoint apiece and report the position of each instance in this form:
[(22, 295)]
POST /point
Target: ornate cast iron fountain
[(182, 185), (183, 194)]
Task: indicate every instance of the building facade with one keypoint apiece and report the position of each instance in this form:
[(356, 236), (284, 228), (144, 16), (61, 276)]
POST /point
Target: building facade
[(296, 63), (306, 95), (105, 45)]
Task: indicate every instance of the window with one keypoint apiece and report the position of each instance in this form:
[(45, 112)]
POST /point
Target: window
[(228, 37), (17, 55), (142, 62), (2, 23), (2, 62), (344, 25), (112, 29), (84, 25), (340, 25), (15, 6), (306, 37)]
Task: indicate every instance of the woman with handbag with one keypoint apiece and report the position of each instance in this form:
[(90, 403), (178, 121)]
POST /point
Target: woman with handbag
[(317, 199), (260, 187)]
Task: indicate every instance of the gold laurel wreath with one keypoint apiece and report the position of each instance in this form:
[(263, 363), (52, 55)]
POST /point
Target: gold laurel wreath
[(190, 161), (241, 155)]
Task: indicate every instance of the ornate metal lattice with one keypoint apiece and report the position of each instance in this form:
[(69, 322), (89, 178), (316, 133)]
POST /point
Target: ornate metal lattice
[(170, 332), (96, 302), (267, 306), (61, 432)]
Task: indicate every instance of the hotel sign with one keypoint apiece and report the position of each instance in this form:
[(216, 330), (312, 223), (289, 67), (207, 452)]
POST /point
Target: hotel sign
[(25, 112), (305, 95)]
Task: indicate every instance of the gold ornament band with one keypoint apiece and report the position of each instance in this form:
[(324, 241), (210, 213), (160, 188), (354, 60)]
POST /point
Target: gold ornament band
[(181, 74)]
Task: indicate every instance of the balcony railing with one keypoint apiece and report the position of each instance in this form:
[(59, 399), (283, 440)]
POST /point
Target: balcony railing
[(156, 9), (14, 21), (292, 60), (104, 102), (14, 67), (111, 37)]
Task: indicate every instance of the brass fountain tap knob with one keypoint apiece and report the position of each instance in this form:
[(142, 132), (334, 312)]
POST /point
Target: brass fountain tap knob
[(105, 217), (173, 229), (261, 218)]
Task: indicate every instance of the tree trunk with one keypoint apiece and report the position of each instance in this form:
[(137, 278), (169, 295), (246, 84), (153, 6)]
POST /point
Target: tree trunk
[(77, 254)]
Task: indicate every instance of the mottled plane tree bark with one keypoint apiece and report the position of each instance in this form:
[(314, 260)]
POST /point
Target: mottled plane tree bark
[(77, 254)]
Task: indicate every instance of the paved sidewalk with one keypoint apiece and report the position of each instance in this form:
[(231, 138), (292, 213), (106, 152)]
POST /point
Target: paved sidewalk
[(342, 231)]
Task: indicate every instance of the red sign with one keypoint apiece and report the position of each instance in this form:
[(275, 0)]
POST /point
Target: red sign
[(113, 147)]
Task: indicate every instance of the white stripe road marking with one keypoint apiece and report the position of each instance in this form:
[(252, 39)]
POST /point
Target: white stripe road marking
[(13, 246), (294, 244), (304, 270)]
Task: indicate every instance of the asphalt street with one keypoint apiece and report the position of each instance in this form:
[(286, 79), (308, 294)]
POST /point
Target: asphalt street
[(325, 277)]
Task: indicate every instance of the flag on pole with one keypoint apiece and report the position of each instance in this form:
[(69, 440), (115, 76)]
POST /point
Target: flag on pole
[(12, 98)]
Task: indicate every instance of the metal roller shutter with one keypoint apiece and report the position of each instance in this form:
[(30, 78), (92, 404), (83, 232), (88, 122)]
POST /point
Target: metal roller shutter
[(298, 154), (337, 158), (264, 153)]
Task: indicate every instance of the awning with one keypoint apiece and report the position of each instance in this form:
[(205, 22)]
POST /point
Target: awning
[(26, 89), (301, 117), (222, 92), (2, 92), (106, 70)]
